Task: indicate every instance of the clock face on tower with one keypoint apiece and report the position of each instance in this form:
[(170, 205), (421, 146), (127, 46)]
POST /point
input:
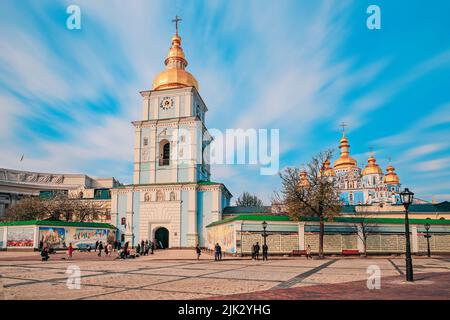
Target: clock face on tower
[(166, 103)]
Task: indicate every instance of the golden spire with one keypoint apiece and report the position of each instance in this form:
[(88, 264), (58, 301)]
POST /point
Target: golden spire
[(372, 167), (175, 75), (391, 177), (344, 161)]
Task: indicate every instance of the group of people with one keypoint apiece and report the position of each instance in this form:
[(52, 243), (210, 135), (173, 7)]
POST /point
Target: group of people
[(255, 251), (145, 247)]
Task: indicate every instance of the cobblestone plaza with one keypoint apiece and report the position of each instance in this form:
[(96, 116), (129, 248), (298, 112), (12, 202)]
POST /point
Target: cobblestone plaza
[(176, 274)]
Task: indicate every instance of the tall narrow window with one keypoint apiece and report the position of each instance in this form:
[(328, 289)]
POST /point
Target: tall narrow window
[(164, 153)]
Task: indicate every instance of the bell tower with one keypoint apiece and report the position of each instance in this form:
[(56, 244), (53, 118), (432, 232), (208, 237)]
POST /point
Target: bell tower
[(171, 137)]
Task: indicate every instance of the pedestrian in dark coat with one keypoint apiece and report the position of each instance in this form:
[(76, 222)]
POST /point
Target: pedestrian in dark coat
[(125, 249), (198, 251), (100, 248), (216, 252), (257, 251), (96, 245), (265, 251)]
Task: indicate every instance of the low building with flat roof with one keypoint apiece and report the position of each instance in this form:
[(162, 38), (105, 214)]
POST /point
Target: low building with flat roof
[(26, 235)]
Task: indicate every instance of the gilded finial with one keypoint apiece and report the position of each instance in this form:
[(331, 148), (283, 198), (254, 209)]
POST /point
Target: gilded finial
[(343, 125)]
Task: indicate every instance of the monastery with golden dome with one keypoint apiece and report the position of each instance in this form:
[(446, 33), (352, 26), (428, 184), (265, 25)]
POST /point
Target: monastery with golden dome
[(367, 186)]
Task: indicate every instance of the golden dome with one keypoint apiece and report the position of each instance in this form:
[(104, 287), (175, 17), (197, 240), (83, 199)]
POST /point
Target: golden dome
[(175, 75), (344, 161), (372, 167), (304, 182), (391, 177), (327, 170)]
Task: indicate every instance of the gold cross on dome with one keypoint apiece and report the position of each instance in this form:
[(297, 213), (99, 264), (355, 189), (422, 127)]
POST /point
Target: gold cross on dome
[(343, 125), (176, 20)]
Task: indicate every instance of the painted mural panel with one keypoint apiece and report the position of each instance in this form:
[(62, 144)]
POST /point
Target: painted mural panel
[(54, 237), (224, 235), (20, 237), (84, 237)]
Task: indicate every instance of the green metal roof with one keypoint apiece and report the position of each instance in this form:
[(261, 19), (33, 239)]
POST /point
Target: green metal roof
[(336, 219), (251, 217), (58, 223), (246, 210)]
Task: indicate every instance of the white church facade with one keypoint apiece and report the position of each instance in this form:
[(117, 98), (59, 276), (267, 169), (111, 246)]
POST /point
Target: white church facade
[(172, 199)]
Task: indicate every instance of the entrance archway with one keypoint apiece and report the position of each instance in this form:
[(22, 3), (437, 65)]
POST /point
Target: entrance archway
[(162, 237)]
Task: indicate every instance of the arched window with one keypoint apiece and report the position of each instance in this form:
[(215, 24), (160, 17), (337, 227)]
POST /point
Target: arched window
[(159, 196), (164, 153), (146, 197), (172, 196)]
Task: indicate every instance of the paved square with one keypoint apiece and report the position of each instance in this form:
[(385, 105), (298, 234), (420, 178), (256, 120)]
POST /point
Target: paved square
[(176, 274)]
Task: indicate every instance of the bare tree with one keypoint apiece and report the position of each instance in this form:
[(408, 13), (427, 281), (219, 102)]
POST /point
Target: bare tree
[(364, 226), (248, 200), (311, 192), (28, 208), (57, 207)]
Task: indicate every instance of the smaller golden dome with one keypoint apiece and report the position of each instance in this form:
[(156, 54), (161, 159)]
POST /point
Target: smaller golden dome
[(372, 167), (175, 75), (304, 182), (391, 177), (327, 170)]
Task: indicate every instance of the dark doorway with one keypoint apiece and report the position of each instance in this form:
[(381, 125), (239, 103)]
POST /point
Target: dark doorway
[(162, 238)]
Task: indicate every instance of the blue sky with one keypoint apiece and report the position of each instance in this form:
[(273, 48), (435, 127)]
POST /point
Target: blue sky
[(67, 97)]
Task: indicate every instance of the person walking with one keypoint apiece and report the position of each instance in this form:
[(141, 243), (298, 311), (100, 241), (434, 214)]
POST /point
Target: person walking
[(257, 251), (198, 251), (100, 248), (152, 246), (265, 250), (70, 250), (220, 253), (96, 245), (253, 251), (147, 247), (216, 252), (308, 252)]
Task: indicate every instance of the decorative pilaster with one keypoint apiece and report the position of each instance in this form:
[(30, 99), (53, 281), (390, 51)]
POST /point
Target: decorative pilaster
[(301, 236)]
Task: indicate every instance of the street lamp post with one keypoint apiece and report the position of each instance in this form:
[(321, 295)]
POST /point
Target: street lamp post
[(427, 236), (264, 234), (407, 198)]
